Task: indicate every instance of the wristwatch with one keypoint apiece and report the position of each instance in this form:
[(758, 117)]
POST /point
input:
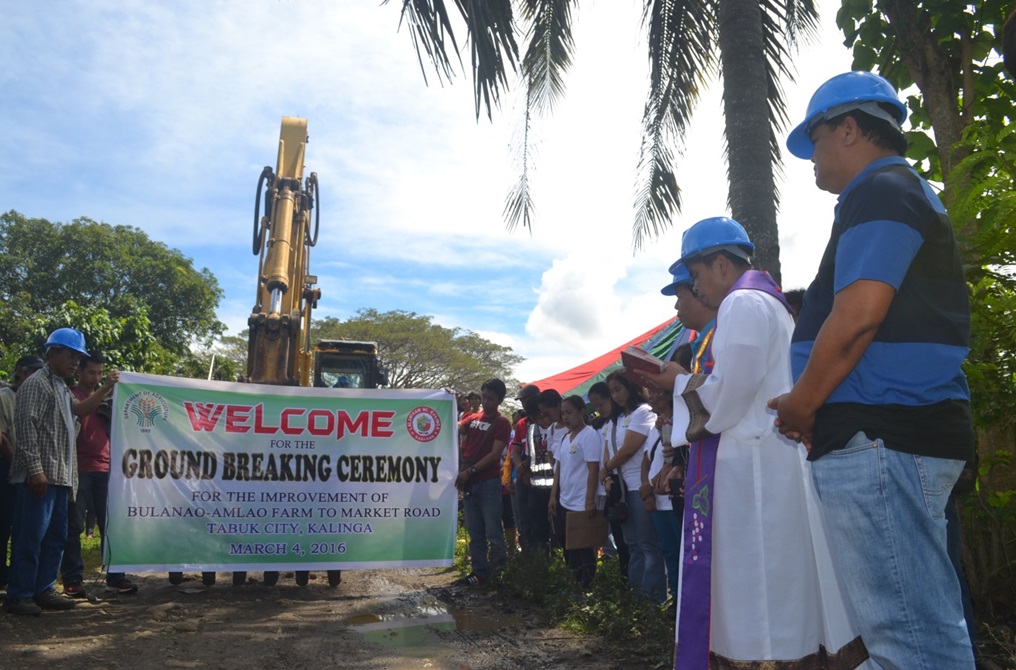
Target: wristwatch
[(472, 469)]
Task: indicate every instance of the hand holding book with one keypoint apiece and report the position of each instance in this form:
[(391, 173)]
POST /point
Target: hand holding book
[(645, 369)]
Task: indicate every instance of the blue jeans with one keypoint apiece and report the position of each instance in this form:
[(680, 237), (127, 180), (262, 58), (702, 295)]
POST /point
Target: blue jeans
[(646, 569), (482, 511), (93, 489), (885, 512), (38, 537), (669, 532)]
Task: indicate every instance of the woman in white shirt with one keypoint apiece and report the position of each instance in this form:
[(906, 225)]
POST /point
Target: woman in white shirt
[(575, 482), (626, 448)]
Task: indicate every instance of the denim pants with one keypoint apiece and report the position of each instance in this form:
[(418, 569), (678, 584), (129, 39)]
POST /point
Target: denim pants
[(885, 513), (37, 540), (93, 487), (669, 532), (482, 511), (646, 569)]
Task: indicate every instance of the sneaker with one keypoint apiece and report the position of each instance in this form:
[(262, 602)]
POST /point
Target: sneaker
[(125, 586), (22, 606), (472, 580), (75, 589), (51, 600)]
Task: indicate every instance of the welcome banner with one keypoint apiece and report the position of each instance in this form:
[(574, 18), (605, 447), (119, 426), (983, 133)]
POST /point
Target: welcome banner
[(222, 476)]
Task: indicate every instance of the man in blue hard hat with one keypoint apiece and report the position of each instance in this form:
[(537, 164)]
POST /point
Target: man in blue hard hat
[(879, 392), (44, 474)]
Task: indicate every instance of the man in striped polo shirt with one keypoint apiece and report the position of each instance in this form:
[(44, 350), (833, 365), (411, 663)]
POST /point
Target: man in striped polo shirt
[(879, 392)]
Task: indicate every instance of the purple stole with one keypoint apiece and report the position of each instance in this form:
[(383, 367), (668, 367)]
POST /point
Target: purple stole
[(692, 651)]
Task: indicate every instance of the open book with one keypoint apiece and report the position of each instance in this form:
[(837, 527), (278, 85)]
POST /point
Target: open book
[(634, 359)]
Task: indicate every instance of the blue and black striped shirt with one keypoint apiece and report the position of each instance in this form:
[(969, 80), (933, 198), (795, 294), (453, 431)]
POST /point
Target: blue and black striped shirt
[(908, 388)]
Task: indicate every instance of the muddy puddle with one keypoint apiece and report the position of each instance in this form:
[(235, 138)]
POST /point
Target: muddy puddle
[(414, 628)]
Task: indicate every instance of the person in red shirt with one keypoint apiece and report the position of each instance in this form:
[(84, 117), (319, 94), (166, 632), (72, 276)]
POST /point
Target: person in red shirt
[(482, 439), (93, 482)]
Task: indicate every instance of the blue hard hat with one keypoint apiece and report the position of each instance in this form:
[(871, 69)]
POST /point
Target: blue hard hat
[(69, 338), (841, 94), (681, 278), (718, 233)]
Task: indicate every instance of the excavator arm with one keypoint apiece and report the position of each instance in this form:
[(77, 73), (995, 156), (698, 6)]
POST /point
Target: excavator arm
[(278, 349)]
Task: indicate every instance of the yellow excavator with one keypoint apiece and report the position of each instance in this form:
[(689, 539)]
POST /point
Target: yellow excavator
[(278, 348)]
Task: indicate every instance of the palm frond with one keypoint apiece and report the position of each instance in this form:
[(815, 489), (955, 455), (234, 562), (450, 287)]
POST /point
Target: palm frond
[(550, 51), (548, 56), (657, 193), (801, 20), (491, 36), (783, 21), (682, 45), (431, 34), (519, 207)]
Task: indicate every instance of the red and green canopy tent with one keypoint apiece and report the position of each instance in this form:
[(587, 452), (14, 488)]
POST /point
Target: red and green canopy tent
[(659, 341)]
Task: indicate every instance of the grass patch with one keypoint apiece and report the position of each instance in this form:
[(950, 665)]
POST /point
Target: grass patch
[(612, 610)]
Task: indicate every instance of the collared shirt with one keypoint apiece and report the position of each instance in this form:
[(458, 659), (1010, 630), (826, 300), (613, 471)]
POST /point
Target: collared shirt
[(908, 388), (46, 431)]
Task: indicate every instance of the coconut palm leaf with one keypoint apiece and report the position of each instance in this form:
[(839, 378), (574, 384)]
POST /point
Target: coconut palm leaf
[(548, 56), (682, 45), (491, 38)]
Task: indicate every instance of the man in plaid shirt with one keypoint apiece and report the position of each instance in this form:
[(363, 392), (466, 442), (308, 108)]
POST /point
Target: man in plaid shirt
[(44, 474)]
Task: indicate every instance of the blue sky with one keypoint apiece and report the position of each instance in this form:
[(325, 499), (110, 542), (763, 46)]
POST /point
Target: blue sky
[(161, 115)]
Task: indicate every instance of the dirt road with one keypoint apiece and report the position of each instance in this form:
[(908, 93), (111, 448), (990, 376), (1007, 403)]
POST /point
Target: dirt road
[(374, 619)]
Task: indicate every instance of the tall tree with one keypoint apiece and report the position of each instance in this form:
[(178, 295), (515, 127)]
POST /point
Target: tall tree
[(117, 268), (950, 51), (419, 353), (751, 39)]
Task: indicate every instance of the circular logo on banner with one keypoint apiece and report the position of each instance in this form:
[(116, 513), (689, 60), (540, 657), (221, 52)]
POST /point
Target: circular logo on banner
[(145, 407), (423, 424)]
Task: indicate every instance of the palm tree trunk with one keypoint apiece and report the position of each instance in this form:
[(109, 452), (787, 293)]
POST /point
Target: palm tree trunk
[(752, 194)]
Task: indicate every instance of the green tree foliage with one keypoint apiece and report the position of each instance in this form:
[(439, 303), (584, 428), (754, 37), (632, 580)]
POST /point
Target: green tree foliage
[(126, 342), (749, 42), (962, 135), (117, 269), (951, 51), (419, 353), (225, 359)]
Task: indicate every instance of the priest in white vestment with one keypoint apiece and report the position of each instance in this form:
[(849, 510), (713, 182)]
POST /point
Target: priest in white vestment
[(757, 585)]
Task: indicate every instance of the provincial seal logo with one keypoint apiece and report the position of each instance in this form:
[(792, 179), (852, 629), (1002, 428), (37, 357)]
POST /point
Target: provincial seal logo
[(145, 407), (423, 424)]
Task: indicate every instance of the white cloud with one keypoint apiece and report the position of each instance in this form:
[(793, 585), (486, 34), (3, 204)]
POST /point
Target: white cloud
[(161, 117)]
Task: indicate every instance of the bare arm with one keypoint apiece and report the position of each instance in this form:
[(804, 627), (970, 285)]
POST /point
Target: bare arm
[(594, 470), (555, 490), (632, 443), (92, 402)]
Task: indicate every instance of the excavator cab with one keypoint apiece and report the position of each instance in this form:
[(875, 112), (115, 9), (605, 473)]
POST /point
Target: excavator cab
[(348, 364)]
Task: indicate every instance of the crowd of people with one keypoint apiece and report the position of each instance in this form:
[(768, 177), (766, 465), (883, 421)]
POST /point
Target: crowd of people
[(786, 474), (780, 485), (54, 464)]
